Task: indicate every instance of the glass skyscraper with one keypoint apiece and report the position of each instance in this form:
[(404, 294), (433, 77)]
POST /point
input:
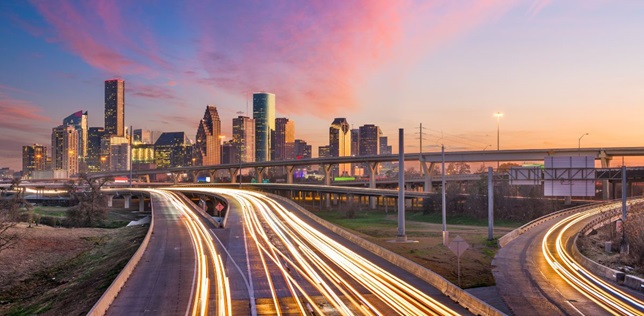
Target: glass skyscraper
[(208, 142), (78, 120), (264, 116), (115, 107)]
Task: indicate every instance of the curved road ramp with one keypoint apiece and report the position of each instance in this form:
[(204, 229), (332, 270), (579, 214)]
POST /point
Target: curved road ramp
[(538, 273)]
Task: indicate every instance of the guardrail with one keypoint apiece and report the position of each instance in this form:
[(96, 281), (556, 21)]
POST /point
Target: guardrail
[(103, 303), (616, 276), (507, 238), (458, 295)]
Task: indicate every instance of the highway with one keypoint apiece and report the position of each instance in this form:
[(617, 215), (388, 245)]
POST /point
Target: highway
[(535, 273), (180, 269), (279, 263)]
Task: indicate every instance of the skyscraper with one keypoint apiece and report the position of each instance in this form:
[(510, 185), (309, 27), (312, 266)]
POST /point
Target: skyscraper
[(283, 139), (173, 149), (264, 115), (95, 162), (243, 139), (115, 107), (340, 143), (64, 149), (34, 158), (78, 120), (301, 149), (369, 140), (208, 143)]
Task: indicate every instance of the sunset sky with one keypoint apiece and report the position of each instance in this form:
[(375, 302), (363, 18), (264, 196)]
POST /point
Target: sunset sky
[(556, 69)]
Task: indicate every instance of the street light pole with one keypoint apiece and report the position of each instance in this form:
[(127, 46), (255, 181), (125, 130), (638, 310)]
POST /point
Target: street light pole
[(498, 116), (579, 144)]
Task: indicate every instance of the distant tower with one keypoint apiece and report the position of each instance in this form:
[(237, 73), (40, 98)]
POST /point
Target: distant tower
[(78, 120), (64, 149), (34, 158), (95, 160), (115, 107), (284, 137), (340, 143), (369, 140), (264, 115), (243, 139), (208, 142)]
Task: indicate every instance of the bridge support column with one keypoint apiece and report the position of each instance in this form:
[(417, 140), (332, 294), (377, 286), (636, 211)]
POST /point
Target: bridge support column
[(110, 198), (141, 203), (212, 174), (175, 177), (127, 198), (605, 163), (233, 174), (195, 175), (427, 174), (327, 181), (373, 168), (289, 174), (260, 174)]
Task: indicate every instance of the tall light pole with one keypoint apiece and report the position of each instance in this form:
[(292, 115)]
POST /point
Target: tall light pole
[(498, 116), (579, 143)]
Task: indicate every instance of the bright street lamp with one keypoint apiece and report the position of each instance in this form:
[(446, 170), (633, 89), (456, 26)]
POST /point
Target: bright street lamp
[(579, 143)]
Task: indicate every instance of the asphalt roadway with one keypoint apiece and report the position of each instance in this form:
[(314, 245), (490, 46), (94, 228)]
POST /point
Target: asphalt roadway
[(529, 285), (162, 282)]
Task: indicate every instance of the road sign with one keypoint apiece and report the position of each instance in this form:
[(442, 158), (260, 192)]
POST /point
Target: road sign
[(219, 207), (458, 246)]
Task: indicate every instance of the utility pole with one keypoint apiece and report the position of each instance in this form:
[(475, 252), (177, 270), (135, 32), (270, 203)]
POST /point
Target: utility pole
[(421, 136)]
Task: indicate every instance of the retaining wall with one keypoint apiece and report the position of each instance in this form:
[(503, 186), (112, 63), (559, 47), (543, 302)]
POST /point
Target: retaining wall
[(100, 308)]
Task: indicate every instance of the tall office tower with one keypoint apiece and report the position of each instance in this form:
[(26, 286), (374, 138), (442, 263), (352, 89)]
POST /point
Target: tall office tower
[(264, 116), (369, 140), (64, 150), (79, 121), (115, 107), (34, 158), (95, 162), (284, 135), (340, 144), (385, 149), (119, 153), (324, 151), (243, 139), (301, 149), (355, 141), (208, 142), (173, 150), (228, 152)]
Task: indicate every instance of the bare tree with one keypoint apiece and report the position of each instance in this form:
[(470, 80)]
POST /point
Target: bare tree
[(92, 203), (10, 214)]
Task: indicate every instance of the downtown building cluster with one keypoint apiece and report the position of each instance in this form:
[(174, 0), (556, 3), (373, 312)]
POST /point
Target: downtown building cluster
[(76, 148)]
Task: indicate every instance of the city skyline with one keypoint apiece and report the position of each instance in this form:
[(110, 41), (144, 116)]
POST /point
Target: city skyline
[(556, 70)]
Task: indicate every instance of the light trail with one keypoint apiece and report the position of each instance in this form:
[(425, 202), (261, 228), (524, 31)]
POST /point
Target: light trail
[(609, 297), (210, 267), (312, 265)]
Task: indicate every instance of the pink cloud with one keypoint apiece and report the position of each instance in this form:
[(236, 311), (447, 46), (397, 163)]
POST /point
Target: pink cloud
[(537, 6), (97, 33), (152, 91), (19, 115)]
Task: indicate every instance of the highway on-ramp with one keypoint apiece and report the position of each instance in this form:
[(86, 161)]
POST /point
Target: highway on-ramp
[(536, 275)]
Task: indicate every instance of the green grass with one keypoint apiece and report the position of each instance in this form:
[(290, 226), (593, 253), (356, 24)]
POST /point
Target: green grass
[(50, 211)]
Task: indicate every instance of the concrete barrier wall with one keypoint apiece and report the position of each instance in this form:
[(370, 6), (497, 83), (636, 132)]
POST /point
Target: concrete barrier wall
[(595, 268), (100, 308), (452, 291), (507, 238)]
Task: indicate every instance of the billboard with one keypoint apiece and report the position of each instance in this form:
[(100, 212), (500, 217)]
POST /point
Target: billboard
[(569, 176)]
